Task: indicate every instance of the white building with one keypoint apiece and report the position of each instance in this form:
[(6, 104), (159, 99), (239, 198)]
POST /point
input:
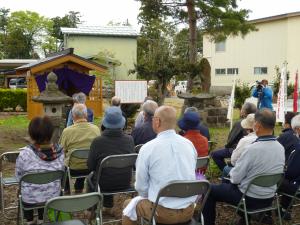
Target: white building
[(255, 56)]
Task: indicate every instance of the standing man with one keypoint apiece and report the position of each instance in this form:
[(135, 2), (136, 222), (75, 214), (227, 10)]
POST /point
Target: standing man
[(264, 156), (236, 134), (166, 158), (264, 94)]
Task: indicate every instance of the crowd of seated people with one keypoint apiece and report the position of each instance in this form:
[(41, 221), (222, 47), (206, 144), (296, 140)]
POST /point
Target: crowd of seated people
[(166, 156)]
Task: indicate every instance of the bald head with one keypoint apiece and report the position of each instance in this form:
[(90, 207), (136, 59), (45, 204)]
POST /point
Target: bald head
[(115, 101), (165, 119)]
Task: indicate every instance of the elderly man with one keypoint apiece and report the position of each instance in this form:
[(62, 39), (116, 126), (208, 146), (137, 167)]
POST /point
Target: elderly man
[(80, 98), (145, 133), (78, 136), (157, 164), (264, 156), (235, 135)]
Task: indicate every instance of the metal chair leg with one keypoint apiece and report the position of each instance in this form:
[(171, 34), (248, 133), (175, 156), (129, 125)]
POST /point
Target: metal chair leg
[(245, 211)]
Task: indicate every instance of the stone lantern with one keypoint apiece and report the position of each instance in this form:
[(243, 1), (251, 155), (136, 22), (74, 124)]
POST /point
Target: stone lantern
[(53, 101)]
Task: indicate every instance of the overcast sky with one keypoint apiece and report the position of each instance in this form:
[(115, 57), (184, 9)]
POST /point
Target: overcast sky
[(100, 12)]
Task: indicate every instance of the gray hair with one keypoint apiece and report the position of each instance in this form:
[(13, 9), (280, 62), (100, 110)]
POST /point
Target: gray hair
[(149, 107), (115, 101), (249, 108), (79, 98), (79, 111), (295, 122), (191, 109)]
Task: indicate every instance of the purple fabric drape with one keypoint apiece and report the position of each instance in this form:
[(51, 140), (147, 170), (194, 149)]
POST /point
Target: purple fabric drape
[(67, 78)]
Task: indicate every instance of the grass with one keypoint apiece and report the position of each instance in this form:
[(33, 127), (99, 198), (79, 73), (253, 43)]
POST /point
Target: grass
[(14, 122)]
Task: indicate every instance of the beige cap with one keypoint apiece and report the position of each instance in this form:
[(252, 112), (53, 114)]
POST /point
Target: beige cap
[(248, 123)]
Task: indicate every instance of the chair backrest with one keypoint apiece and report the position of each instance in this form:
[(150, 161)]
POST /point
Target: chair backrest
[(202, 162), (183, 189), (116, 161), (74, 203), (43, 177), (137, 148), (10, 157), (80, 154), (265, 180)]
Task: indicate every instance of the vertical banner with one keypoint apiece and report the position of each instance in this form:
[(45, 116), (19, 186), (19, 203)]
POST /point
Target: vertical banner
[(231, 104), (281, 96), (295, 95)]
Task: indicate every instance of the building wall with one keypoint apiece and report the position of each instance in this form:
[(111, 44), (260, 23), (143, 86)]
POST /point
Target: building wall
[(123, 49), (270, 46)]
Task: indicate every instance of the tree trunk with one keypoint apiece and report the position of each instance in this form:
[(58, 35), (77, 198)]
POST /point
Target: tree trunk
[(192, 18), (161, 92)]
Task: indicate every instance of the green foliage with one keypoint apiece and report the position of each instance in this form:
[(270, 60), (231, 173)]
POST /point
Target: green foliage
[(130, 109), (10, 98), (14, 122), (290, 87), (242, 92)]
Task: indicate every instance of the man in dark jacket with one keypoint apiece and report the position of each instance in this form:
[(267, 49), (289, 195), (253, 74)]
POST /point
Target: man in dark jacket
[(288, 138), (145, 133), (236, 133), (112, 142), (291, 181)]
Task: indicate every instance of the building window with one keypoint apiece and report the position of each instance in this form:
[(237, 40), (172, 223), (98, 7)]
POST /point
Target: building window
[(231, 71), (221, 71), (260, 70), (220, 46)]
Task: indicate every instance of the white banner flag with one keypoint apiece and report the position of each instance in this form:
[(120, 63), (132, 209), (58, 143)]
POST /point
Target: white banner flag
[(281, 97), (231, 104)]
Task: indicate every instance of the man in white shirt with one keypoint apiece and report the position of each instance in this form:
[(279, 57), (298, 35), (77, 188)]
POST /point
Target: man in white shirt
[(166, 158)]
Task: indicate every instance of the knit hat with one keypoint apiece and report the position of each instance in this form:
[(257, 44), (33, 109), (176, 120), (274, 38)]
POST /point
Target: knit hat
[(248, 122), (189, 121), (113, 118)]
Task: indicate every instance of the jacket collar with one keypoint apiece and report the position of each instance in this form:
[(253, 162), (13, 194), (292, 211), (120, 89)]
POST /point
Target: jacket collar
[(112, 132)]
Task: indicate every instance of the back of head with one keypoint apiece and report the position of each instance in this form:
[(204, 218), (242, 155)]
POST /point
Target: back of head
[(295, 123), (40, 130), (79, 111), (266, 118), (248, 108), (288, 118), (149, 107), (167, 117), (115, 101), (191, 109), (79, 98)]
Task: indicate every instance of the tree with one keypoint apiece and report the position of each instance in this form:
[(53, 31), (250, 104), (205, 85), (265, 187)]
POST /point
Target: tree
[(218, 18), (72, 19), (154, 58), (26, 31), (3, 29)]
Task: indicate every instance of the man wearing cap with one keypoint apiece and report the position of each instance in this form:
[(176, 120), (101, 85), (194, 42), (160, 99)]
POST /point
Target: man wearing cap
[(113, 141), (145, 133), (246, 124), (190, 123)]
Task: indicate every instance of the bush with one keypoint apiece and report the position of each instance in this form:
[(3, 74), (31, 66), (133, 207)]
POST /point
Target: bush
[(242, 92), (10, 98)]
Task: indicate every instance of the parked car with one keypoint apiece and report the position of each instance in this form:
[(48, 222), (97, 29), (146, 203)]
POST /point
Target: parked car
[(181, 87), (17, 83)]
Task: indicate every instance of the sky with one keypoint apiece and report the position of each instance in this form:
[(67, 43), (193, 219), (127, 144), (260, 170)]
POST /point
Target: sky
[(100, 12)]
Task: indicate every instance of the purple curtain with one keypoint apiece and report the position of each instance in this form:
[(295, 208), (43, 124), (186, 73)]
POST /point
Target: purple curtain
[(66, 79)]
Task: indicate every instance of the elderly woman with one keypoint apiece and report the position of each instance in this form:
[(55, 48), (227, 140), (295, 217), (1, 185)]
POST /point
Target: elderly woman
[(41, 155)]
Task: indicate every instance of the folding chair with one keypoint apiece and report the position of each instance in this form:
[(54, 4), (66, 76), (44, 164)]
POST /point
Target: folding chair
[(137, 148), (294, 199), (202, 162), (5, 158), (182, 189), (38, 178), (119, 162), (78, 154), (70, 204), (266, 180)]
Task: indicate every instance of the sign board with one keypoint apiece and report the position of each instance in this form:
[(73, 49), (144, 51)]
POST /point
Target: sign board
[(131, 91)]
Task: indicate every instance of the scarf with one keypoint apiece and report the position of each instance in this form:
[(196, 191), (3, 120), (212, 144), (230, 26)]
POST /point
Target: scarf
[(48, 152)]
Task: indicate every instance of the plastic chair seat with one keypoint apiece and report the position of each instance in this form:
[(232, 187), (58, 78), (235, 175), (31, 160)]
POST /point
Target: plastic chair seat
[(68, 222), (9, 181)]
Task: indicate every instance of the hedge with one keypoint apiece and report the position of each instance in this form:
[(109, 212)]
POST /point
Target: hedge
[(10, 98)]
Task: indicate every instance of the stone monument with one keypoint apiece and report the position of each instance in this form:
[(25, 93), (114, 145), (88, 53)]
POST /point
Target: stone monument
[(53, 101)]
